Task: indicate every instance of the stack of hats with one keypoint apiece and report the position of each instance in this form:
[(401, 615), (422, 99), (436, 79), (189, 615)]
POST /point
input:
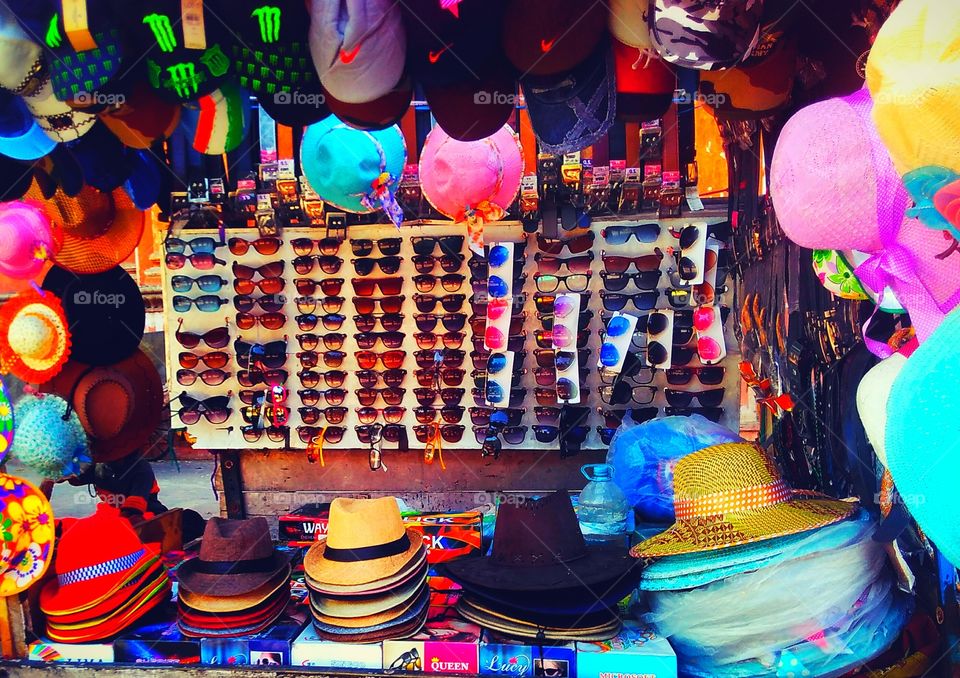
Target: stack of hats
[(106, 579), (368, 578), (542, 580), (238, 585), (715, 578)]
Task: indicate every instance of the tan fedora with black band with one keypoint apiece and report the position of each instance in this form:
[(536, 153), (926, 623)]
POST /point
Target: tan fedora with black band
[(366, 542)]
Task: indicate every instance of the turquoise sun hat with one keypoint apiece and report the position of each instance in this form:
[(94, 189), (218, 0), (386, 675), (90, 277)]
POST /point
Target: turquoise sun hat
[(922, 445), (354, 170), (20, 136)]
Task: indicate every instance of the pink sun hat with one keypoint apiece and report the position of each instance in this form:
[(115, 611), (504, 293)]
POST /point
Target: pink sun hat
[(29, 240), (463, 176)]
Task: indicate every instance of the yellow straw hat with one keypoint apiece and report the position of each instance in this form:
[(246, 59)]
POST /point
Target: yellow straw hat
[(913, 73), (734, 494), (34, 336)]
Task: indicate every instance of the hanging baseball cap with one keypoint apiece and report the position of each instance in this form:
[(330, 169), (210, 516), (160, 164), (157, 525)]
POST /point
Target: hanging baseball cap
[(475, 106), (272, 57), (546, 37), (217, 122), (572, 110), (105, 313), (756, 89), (378, 114), (104, 161), (705, 36), (20, 136), (142, 117), (86, 56), (358, 47), (645, 84), (186, 47), (628, 23)]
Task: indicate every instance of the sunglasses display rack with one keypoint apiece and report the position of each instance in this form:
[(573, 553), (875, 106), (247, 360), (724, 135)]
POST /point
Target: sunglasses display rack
[(377, 330)]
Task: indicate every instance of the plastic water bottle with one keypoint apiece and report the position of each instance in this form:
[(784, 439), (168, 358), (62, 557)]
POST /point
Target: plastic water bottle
[(602, 507)]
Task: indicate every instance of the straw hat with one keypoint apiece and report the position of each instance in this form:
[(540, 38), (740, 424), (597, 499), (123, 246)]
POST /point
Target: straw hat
[(34, 336), (913, 72), (27, 535), (119, 405), (367, 605), (366, 542), (401, 613), (734, 494), (461, 175), (29, 240), (415, 569)]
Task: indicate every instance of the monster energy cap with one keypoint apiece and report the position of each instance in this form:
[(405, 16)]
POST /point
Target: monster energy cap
[(188, 47), (272, 58), (217, 122), (85, 56)]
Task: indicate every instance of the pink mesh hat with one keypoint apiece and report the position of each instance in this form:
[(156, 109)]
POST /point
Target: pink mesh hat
[(29, 240), (472, 181)]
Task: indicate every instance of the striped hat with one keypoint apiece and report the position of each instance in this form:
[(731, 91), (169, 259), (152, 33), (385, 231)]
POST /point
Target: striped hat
[(217, 122)]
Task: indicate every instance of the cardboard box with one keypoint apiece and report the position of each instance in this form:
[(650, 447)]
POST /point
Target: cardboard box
[(447, 644), (502, 656), (49, 651), (157, 643), (446, 535), (272, 647), (310, 650), (636, 652)]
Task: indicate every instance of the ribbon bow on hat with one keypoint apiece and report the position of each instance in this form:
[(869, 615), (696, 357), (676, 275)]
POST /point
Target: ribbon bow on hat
[(380, 196), (476, 216)]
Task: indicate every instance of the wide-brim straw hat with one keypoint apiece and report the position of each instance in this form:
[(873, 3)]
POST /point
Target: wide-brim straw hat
[(733, 494), (415, 569), (400, 613), (366, 542), (35, 339), (366, 606)]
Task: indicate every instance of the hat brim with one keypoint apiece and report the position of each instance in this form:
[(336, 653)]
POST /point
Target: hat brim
[(398, 617), (359, 573), (223, 585), (50, 308), (745, 527), (203, 603), (31, 144), (137, 584), (466, 110), (399, 632), (602, 564), (191, 630), (498, 621), (83, 596), (416, 568), (378, 114), (105, 251), (372, 621), (113, 626), (364, 607), (119, 606), (253, 615)]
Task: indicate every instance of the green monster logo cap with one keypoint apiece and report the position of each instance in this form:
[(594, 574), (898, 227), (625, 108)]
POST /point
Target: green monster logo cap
[(268, 18), (162, 31)]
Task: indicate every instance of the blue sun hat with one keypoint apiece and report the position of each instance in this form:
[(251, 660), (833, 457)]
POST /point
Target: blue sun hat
[(50, 438), (354, 170), (923, 448), (20, 136)]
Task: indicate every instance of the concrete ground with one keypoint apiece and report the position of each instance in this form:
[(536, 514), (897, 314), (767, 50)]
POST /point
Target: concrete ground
[(187, 487)]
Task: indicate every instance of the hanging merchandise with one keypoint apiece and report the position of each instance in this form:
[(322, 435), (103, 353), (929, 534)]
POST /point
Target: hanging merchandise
[(219, 121), (50, 438), (35, 336), (20, 136), (28, 534), (142, 118), (7, 422), (645, 84), (30, 240), (537, 38), (704, 37)]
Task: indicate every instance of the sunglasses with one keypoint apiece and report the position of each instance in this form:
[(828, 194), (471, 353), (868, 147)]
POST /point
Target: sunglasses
[(201, 261), (393, 359), (266, 245), (445, 357), (547, 320), (371, 434), (451, 282), (449, 244), (329, 286), (426, 397), (512, 435), (270, 303), (545, 302), (575, 245), (365, 287), (207, 303), (449, 376), (452, 433), (428, 340), (501, 400), (449, 263), (451, 414), (560, 337), (331, 321), (391, 414), (644, 280), (215, 410), (390, 395), (427, 322), (619, 264), (613, 418), (251, 378), (204, 245), (620, 235), (575, 282), (205, 283), (560, 360), (658, 351), (480, 302), (388, 321), (274, 269), (709, 398), (214, 359), (622, 393), (269, 321), (427, 303), (550, 264), (368, 306), (388, 265), (481, 358), (276, 434), (390, 377), (330, 265), (367, 340), (329, 434), (496, 287), (265, 285), (688, 238), (304, 246), (478, 324), (211, 377), (271, 355), (332, 415), (331, 341), (637, 372), (387, 246), (480, 376), (481, 416), (218, 337), (645, 300)]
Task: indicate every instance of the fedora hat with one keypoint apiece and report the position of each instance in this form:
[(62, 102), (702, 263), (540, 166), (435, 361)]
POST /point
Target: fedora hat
[(35, 338), (367, 605), (105, 312), (224, 621), (236, 557), (415, 569), (406, 630), (366, 542), (538, 546), (202, 603), (119, 405), (29, 239), (733, 494), (396, 617)]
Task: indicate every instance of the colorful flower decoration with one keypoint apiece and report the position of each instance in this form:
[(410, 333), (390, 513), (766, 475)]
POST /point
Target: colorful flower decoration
[(6, 421), (27, 531)]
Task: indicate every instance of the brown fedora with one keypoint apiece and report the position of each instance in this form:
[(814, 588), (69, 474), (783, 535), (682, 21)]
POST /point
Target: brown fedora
[(366, 542), (120, 406), (236, 557), (538, 546)]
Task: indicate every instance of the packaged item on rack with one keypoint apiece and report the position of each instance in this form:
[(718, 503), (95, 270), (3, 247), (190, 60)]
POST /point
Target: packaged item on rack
[(636, 651), (447, 644), (501, 655), (311, 650)]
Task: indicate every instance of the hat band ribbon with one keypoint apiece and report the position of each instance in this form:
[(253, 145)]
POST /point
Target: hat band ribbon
[(114, 566), (235, 567), (733, 501), (392, 548)]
